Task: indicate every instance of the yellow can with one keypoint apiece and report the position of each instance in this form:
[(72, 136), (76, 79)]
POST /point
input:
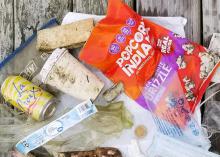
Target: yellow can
[(28, 97)]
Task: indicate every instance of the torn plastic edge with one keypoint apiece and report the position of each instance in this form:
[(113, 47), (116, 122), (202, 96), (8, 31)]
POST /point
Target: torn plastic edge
[(51, 22)]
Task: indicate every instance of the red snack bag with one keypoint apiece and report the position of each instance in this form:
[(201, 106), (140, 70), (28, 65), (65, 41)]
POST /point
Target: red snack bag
[(163, 72)]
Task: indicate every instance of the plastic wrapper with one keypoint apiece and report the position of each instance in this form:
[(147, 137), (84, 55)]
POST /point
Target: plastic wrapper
[(156, 66)]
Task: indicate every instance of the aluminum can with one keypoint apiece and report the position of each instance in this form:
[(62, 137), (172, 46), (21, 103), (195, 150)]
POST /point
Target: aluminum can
[(28, 97)]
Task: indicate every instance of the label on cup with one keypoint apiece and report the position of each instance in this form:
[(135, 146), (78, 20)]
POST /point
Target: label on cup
[(56, 127)]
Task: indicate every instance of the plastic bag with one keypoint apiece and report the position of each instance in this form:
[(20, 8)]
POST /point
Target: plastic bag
[(156, 66)]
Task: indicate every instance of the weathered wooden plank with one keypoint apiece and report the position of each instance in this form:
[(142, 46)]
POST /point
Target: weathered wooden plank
[(6, 38), (6, 28), (30, 15), (187, 8), (94, 6), (211, 19)]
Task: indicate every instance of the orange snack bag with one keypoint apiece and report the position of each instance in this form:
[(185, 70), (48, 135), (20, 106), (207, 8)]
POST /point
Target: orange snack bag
[(128, 48)]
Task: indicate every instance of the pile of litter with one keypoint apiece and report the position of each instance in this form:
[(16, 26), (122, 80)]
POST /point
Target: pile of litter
[(119, 85)]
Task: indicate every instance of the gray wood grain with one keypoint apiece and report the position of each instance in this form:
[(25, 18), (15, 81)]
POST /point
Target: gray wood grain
[(6, 41), (98, 7), (211, 19), (30, 15), (6, 27), (187, 8)]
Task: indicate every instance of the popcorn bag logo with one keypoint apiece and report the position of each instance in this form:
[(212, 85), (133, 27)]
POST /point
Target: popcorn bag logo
[(131, 22), (136, 51), (121, 38), (114, 48), (131, 57), (126, 30)]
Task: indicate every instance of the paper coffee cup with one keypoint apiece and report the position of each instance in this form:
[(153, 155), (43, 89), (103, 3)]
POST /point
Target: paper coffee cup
[(67, 74)]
